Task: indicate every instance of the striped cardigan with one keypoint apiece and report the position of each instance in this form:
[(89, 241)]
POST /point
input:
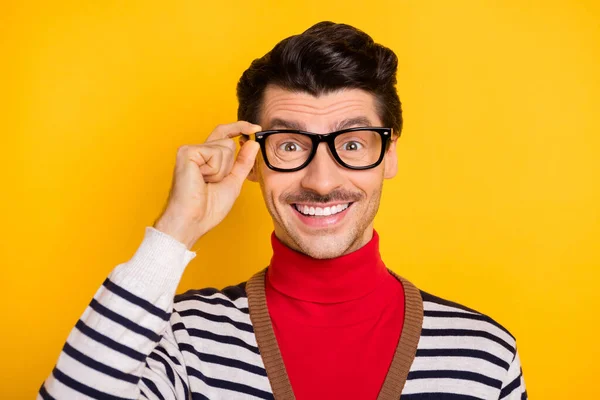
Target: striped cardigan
[(137, 340)]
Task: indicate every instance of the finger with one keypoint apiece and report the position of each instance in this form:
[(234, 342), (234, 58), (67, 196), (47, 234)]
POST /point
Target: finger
[(223, 163), (212, 158), (244, 163), (228, 160), (228, 131), (227, 143), (191, 149)]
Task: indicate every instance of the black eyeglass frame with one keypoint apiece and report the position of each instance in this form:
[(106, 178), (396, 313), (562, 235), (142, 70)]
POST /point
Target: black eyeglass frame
[(329, 138)]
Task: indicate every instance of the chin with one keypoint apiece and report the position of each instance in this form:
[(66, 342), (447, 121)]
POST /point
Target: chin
[(324, 246)]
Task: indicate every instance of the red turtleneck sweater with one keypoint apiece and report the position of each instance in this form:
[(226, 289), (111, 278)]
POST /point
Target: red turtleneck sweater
[(337, 321)]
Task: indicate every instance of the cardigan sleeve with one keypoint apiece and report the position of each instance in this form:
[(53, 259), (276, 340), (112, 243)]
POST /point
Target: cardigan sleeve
[(123, 347), (513, 385)]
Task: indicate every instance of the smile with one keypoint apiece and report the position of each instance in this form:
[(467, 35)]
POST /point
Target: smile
[(313, 210)]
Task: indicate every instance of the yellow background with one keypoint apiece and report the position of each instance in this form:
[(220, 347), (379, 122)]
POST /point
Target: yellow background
[(496, 205)]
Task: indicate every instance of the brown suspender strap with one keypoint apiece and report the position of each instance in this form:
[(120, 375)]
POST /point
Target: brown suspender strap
[(271, 355)]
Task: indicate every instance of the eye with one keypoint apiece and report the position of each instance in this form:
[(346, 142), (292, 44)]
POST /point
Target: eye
[(290, 147), (352, 146)]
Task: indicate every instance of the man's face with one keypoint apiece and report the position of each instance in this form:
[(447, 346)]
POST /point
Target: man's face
[(322, 183)]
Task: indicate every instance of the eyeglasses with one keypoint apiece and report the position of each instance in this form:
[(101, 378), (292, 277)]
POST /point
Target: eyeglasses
[(289, 150)]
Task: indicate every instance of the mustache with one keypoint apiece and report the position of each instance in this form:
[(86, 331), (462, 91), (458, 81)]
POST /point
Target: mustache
[(306, 196)]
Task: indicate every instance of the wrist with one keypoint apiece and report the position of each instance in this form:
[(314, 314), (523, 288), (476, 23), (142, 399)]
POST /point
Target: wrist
[(179, 229)]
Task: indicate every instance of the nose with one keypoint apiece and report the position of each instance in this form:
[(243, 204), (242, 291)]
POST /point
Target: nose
[(323, 174)]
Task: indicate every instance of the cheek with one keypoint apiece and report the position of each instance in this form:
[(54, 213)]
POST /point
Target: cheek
[(274, 184), (369, 182)]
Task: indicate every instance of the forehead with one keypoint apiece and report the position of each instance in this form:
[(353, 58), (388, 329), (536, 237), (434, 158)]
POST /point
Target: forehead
[(317, 113)]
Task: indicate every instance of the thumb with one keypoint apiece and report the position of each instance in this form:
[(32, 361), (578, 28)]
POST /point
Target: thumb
[(244, 162)]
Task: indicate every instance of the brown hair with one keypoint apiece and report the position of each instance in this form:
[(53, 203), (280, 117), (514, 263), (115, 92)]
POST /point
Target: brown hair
[(324, 58)]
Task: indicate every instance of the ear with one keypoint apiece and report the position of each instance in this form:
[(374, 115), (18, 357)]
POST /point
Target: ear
[(252, 176), (391, 159)]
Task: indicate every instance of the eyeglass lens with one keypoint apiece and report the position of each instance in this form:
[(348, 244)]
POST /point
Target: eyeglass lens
[(291, 150)]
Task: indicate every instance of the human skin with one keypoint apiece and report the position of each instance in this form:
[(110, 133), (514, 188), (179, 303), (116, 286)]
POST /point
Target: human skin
[(208, 177), (206, 182), (323, 182)]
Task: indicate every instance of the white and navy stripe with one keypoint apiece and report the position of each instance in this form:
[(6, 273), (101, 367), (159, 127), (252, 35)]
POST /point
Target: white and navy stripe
[(462, 354), (134, 342), (208, 350)]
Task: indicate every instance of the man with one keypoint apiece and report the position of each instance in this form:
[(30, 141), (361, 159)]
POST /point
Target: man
[(326, 320)]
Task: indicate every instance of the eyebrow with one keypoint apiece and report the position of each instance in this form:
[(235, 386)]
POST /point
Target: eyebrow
[(346, 123), (352, 122), (283, 124)]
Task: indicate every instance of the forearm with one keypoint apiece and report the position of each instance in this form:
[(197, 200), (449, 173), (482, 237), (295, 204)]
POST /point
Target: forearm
[(106, 351)]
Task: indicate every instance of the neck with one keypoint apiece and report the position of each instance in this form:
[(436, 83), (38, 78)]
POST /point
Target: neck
[(335, 280)]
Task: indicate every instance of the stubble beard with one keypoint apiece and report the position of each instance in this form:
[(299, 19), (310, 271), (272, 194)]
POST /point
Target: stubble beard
[(330, 242)]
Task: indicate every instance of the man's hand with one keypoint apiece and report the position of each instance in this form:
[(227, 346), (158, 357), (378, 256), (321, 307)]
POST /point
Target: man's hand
[(206, 182)]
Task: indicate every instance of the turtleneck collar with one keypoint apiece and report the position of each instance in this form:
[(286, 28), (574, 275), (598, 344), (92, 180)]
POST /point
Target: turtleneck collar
[(336, 280)]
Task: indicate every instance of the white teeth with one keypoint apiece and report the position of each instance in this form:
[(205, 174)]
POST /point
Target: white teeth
[(326, 211)]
